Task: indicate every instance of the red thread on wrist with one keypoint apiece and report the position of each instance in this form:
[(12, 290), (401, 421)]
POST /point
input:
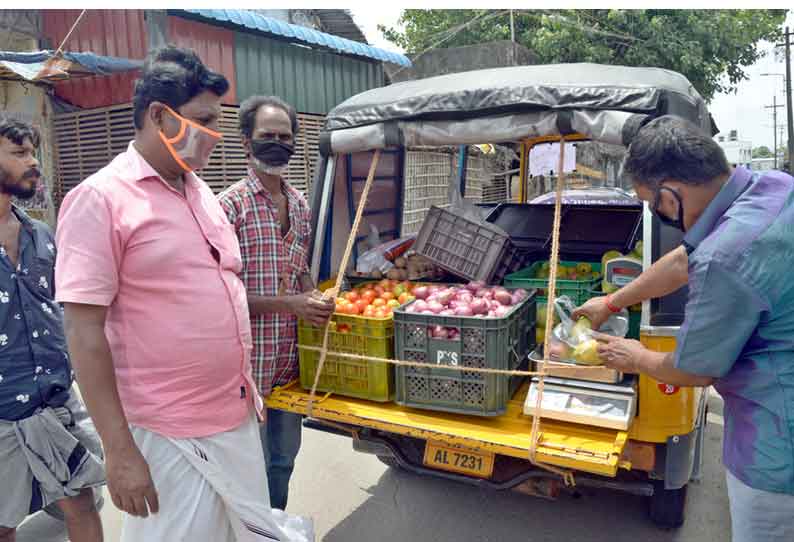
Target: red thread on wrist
[(612, 308)]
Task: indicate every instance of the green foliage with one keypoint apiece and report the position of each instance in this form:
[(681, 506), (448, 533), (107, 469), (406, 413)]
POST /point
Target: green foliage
[(709, 47), (762, 152)]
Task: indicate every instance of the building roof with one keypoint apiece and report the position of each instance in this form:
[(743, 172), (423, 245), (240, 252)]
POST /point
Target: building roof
[(41, 66), (340, 22), (257, 22)]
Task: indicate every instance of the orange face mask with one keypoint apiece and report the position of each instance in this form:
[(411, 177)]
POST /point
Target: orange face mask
[(192, 145)]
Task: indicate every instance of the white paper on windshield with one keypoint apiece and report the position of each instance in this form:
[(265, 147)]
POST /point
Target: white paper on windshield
[(544, 158)]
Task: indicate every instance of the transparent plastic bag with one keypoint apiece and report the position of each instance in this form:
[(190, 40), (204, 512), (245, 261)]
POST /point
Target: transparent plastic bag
[(297, 528), (577, 337)]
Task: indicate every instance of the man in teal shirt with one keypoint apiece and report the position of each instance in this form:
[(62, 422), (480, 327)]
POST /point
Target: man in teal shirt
[(738, 331)]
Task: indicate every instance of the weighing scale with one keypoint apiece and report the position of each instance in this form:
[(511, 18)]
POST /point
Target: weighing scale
[(620, 271), (592, 403)]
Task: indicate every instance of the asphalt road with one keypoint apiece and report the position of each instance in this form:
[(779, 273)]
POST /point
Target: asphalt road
[(352, 497)]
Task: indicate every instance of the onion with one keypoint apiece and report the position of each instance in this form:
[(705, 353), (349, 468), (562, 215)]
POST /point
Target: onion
[(484, 293), (464, 310), (521, 294), (464, 296), (453, 334), (447, 312), (435, 289), (420, 305), (421, 292), (516, 299), (445, 296), (479, 306), (503, 297), (435, 307), (501, 312), (439, 332), (475, 285), (491, 314), (427, 312), (410, 309)]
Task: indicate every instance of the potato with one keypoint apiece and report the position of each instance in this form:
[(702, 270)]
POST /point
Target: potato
[(377, 274), (393, 274), (400, 263)]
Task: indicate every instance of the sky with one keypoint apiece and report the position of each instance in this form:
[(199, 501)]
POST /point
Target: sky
[(742, 111)]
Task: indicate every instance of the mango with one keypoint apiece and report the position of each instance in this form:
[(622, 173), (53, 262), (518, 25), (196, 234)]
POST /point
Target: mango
[(638, 250), (586, 353)]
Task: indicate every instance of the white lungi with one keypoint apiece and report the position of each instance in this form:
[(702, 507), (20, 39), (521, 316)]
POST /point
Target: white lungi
[(210, 489)]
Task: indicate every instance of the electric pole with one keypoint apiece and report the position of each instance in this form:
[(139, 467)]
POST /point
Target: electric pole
[(789, 113), (774, 107)]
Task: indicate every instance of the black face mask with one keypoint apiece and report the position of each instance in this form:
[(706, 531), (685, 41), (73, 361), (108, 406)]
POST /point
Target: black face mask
[(272, 152), (677, 223)]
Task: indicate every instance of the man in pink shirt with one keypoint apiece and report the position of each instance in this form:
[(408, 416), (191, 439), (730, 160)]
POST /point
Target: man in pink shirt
[(157, 321)]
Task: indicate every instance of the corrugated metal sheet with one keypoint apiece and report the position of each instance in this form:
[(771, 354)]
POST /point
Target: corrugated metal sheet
[(260, 23), (111, 32), (313, 81), (213, 44)]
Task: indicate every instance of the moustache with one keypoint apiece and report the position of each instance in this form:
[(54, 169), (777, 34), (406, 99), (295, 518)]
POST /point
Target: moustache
[(32, 173)]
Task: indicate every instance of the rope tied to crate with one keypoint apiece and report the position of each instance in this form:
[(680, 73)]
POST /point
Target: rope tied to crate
[(536, 433)]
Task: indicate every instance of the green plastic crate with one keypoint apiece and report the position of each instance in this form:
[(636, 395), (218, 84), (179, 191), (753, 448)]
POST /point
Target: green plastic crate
[(354, 378), (495, 343), (578, 290)]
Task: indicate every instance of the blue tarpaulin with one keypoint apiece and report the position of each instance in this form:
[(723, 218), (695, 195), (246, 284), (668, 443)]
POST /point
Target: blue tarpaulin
[(247, 19), (42, 66)]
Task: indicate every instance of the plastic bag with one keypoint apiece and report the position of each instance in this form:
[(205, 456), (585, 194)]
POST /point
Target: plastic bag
[(296, 528), (379, 255), (578, 336)]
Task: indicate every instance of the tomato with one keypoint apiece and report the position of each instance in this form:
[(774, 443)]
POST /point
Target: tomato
[(362, 305), (379, 290), (379, 302), (369, 294), (381, 313), (352, 296), (369, 312), (343, 328), (387, 296), (405, 298), (393, 303), (386, 284)]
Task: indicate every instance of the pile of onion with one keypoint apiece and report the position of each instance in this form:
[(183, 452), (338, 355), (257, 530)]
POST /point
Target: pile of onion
[(475, 300)]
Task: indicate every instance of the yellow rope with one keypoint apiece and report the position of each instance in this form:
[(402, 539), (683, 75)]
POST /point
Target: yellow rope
[(333, 292), (423, 365), (552, 294)]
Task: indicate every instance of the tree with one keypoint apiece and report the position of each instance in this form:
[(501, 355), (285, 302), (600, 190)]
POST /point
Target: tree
[(762, 152), (704, 45)]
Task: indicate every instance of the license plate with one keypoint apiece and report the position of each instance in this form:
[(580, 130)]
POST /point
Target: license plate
[(460, 460)]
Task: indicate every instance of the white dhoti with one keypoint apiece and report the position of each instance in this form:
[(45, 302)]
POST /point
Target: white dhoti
[(211, 489)]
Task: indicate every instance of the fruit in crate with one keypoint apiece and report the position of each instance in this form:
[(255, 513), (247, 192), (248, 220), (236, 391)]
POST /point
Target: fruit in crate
[(375, 300)]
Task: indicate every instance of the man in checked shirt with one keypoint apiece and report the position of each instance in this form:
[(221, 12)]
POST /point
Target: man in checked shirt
[(273, 225)]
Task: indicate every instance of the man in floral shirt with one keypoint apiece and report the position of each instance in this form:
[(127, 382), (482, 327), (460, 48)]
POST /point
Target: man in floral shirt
[(273, 225)]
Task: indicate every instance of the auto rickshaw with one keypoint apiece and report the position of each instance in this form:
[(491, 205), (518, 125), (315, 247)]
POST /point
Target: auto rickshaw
[(659, 450)]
